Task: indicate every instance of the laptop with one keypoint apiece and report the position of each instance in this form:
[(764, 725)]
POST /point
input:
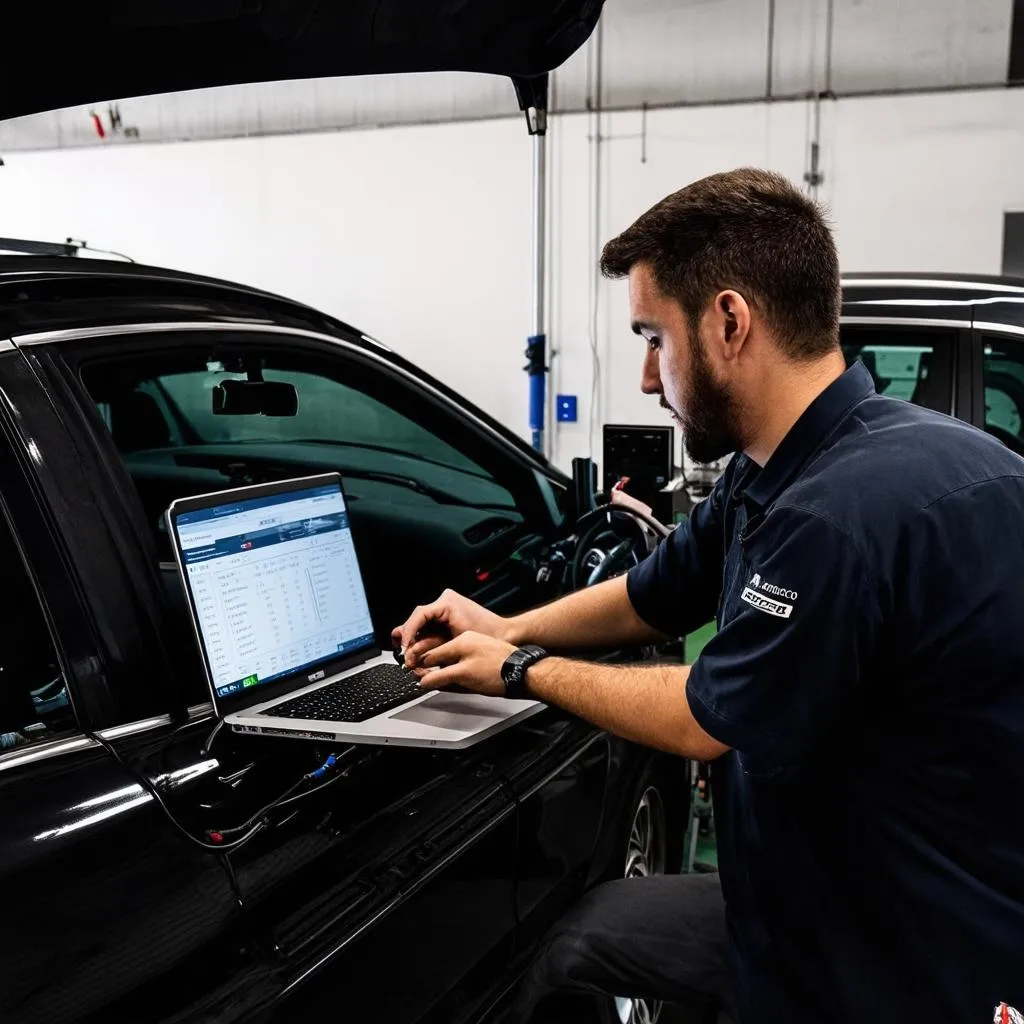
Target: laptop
[(281, 617)]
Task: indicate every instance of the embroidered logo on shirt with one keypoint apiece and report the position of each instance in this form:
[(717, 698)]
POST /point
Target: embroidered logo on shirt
[(764, 597), (766, 604), (1005, 1014)]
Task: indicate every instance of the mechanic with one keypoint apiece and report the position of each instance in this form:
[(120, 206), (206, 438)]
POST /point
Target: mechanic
[(863, 698)]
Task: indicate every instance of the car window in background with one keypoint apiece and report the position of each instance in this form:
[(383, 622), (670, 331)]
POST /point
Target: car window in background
[(908, 363), (1003, 368), (897, 370), (34, 701), (911, 364)]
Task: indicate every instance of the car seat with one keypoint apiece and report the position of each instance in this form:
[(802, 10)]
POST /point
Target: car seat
[(137, 424)]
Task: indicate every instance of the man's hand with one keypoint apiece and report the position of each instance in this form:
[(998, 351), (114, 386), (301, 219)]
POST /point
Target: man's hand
[(456, 615), (472, 660)]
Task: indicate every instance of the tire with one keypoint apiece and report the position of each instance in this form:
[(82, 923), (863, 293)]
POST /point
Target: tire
[(650, 843)]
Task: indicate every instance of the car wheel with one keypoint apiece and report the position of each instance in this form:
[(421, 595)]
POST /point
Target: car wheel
[(652, 845)]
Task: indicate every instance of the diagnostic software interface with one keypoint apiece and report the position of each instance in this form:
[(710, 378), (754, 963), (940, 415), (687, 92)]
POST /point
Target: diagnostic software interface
[(275, 584)]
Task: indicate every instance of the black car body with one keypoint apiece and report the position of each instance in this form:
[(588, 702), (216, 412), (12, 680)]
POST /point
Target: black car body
[(411, 885)]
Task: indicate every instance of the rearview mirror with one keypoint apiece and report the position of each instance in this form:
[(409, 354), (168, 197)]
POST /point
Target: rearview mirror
[(255, 398)]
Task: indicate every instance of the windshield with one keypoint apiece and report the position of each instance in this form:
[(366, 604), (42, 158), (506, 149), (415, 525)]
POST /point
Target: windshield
[(328, 412)]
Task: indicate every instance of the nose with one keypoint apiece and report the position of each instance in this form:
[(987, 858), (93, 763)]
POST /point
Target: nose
[(650, 375)]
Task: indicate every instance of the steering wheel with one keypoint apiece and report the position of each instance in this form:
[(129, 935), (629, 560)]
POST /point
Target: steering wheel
[(594, 563)]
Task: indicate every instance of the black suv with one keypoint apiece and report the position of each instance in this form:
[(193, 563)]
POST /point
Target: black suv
[(947, 342), (404, 885)]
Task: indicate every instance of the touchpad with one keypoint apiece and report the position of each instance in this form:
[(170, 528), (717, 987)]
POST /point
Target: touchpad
[(458, 712)]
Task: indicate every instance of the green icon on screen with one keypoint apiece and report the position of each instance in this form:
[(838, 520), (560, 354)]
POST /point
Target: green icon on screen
[(250, 681)]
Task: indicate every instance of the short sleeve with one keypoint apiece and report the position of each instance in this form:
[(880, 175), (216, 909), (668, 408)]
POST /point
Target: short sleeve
[(676, 589), (798, 628)]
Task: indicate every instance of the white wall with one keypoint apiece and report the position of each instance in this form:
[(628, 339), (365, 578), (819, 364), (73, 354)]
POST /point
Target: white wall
[(681, 146), (418, 236), (421, 236), (921, 183)]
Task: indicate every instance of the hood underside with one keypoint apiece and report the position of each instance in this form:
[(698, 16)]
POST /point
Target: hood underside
[(62, 55)]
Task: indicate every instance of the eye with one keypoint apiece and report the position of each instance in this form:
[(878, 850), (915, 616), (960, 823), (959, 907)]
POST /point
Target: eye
[(654, 344)]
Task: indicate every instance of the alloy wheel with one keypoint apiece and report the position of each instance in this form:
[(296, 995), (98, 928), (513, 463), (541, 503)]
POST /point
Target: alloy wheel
[(645, 855)]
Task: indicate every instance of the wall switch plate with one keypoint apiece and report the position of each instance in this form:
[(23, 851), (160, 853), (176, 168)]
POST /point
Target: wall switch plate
[(565, 408)]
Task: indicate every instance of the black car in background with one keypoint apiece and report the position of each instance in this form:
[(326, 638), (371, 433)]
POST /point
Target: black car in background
[(954, 343), (949, 342), (408, 885)]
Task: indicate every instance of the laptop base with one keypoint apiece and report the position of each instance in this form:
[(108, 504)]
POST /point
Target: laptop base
[(438, 719)]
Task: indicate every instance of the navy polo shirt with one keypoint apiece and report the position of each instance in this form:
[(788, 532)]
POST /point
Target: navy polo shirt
[(868, 676)]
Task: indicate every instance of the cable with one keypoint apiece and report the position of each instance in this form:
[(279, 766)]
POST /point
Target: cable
[(216, 837), (287, 798), (263, 811), (109, 252), (208, 743), (154, 792), (315, 789)]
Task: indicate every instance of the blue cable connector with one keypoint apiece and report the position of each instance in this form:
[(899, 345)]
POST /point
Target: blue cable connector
[(324, 768)]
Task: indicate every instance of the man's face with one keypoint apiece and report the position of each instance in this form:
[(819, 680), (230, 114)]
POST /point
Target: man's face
[(677, 367)]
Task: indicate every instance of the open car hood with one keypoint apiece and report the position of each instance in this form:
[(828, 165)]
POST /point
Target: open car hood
[(61, 55)]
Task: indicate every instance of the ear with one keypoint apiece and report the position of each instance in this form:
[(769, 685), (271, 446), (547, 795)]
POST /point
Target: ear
[(732, 312)]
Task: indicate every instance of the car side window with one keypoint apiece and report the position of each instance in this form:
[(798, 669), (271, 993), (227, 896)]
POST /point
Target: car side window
[(34, 700), (912, 364), (1003, 375)]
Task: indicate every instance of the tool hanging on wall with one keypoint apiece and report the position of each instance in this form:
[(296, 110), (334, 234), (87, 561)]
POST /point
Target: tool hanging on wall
[(114, 126)]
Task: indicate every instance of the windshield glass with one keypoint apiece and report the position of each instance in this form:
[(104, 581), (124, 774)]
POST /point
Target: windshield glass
[(328, 411)]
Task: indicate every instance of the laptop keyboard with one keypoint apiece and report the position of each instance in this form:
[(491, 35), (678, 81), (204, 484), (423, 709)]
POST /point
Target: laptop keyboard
[(354, 698)]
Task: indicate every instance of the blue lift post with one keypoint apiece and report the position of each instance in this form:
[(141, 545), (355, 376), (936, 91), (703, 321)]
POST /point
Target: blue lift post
[(533, 101)]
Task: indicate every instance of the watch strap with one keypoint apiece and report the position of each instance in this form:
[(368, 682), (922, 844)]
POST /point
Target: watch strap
[(513, 671)]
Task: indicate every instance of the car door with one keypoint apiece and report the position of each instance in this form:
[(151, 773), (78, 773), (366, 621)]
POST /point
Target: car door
[(101, 902), (432, 501), (998, 353), (405, 852), (909, 359)]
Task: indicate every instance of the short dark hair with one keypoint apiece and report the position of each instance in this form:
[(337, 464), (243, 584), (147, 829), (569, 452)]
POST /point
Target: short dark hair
[(750, 230)]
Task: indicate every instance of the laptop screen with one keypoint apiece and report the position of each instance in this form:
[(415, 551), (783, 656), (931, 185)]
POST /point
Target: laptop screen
[(275, 585)]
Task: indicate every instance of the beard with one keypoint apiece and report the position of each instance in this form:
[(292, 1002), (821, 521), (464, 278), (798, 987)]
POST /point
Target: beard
[(710, 423)]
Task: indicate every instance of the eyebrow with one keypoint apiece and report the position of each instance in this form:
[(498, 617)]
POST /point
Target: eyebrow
[(639, 326)]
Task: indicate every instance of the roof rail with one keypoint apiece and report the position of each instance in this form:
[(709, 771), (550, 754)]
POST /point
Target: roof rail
[(69, 247), (30, 248)]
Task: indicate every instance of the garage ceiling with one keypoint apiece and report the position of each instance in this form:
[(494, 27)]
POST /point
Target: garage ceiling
[(655, 52)]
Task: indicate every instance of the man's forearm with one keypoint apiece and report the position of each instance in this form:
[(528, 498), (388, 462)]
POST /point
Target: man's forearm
[(646, 704), (600, 616)]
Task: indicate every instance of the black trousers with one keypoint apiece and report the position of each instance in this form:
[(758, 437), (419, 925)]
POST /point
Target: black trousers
[(661, 938)]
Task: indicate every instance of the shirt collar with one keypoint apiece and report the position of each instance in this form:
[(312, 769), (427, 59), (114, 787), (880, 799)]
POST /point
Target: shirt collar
[(806, 436)]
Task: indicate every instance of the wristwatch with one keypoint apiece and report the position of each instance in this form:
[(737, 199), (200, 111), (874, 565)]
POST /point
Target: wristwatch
[(513, 671)]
